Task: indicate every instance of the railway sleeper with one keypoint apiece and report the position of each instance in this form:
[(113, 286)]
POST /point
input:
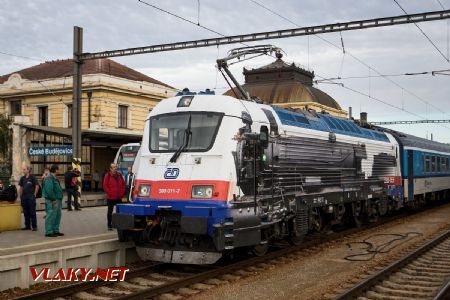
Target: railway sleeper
[(130, 286), (407, 276), (439, 258), (423, 272), (111, 291), (146, 282), (442, 253), (407, 286), (429, 269), (402, 281), (377, 296), (438, 267), (437, 261), (401, 293)]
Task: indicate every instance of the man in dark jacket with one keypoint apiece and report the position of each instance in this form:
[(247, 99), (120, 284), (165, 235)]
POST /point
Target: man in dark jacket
[(114, 187), (70, 180), (53, 195), (28, 190)]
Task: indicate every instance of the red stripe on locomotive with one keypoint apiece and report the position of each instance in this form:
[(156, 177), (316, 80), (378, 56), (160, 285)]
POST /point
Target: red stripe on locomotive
[(182, 189)]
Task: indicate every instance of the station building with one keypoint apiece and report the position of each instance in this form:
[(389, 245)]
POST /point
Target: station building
[(288, 86), (115, 102)]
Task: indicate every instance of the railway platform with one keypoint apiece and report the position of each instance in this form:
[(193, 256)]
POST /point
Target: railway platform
[(87, 243)]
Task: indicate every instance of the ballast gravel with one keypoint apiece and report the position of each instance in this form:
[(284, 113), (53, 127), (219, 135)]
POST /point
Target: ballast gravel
[(322, 272)]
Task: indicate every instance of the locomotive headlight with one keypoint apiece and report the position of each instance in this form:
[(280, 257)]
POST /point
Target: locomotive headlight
[(202, 191), (144, 190)]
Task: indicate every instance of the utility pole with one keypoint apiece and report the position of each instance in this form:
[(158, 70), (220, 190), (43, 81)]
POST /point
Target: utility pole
[(76, 102)]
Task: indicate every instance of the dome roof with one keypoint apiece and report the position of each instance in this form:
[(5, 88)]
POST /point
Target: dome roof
[(287, 92), (280, 82)]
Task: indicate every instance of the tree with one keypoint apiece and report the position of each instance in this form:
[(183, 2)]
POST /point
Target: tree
[(5, 137)]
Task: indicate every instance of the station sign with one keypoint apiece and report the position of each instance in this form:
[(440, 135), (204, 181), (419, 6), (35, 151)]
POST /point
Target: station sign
[(50, 151)]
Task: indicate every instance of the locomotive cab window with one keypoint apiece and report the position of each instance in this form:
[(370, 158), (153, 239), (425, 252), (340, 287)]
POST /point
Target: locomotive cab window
[(187, 131)]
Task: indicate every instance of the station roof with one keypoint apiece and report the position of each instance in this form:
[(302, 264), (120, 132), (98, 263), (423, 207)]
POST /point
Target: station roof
[(64, 68), (90, 137)]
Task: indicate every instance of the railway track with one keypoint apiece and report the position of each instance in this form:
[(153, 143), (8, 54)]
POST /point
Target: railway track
[(181, 280), (422, 274)]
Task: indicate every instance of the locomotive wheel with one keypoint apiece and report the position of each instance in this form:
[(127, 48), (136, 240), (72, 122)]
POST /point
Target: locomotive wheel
[(295, 238), (318, 223), (358, 216), (261, 249)]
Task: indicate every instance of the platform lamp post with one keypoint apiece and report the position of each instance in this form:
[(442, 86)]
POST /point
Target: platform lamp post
[(76, 103)]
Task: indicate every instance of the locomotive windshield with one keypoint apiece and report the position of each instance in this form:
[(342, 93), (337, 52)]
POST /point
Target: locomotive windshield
[(168, 131)]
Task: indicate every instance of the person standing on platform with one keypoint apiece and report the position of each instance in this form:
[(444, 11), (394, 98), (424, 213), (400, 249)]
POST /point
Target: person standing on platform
[(53, 195), (28, 190), (45, 174), (114, 187), (96, 179), (128, 179), (70, 180)]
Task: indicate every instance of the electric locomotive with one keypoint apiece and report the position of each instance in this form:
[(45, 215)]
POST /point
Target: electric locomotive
[(215, 174)]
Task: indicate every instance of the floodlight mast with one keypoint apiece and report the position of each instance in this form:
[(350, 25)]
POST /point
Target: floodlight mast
[(238, 53)]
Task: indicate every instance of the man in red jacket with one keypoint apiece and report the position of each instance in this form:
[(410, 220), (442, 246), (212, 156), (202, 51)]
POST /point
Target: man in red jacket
[(114, 187)]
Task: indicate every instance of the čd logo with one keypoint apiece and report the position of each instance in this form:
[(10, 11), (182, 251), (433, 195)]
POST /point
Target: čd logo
[(171, 173)]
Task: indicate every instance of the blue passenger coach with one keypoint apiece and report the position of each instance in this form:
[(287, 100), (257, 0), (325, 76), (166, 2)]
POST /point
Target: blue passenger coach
[(425, 167)]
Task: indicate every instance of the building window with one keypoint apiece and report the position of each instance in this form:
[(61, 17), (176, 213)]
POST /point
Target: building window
[(69, 115), (16, 108), (43, 115), (123, 116)]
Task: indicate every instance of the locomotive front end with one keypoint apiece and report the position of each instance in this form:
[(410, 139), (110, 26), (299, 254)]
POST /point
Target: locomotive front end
[(184, 178)]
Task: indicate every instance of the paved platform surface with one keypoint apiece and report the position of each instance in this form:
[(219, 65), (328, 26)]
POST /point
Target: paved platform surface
[(82, 226)]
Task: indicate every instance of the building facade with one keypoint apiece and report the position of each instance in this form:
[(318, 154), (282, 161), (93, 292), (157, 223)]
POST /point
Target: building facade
[(115, 103)]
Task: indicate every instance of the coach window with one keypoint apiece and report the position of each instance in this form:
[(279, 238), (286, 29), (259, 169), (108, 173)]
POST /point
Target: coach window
[(433, 164), (438, 164), (447, 166), (423, 163), (427, 163)]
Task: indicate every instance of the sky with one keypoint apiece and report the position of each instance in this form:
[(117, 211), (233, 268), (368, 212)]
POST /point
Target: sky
[(42, 30)]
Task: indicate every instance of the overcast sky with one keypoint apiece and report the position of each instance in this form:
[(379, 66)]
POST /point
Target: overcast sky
[(42, 30)]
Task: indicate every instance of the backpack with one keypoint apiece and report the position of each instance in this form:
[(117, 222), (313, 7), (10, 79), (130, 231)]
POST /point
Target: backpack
[(74, 182), (9, 194)]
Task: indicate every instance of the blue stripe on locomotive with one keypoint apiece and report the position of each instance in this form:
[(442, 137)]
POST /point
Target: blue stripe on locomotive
[(328, 123), (216, 211), (418, 164)]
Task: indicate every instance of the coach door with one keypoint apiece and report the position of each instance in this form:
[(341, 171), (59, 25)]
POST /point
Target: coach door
[(410, 175)]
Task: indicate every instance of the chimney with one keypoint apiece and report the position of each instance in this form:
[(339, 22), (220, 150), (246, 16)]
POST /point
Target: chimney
[(350, 115), (363, 119)]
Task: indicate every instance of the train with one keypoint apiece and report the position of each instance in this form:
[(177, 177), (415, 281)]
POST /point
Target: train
[(125, 157), (217, 174)]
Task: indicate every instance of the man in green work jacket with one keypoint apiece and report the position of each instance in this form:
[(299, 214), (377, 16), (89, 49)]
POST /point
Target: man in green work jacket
[(53, 195)]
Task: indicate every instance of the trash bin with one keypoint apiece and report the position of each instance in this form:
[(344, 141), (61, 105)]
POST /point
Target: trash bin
[(10, 216), (86, 187)]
